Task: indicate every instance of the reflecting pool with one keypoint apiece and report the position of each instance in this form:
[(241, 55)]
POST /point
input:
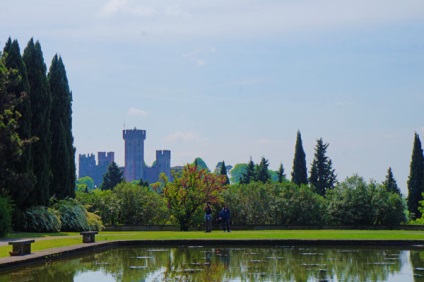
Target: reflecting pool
[(226, 263)]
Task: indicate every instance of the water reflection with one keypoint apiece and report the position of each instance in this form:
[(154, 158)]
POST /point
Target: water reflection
[(225, 263)]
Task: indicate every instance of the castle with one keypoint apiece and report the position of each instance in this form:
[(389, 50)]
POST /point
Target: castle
[(135, 166), (88, 166)]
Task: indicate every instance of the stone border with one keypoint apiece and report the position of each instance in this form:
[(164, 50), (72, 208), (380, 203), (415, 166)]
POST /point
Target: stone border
[(14, 262)]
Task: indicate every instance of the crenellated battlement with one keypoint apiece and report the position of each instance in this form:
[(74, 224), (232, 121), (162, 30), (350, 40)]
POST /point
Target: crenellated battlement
[(134, 134), (163, 154)]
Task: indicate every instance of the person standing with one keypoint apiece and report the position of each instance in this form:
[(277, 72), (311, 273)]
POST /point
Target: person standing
[(224, 216), (208, 217)]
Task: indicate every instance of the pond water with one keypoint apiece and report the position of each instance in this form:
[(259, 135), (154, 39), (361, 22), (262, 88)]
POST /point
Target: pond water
[(226, 263)]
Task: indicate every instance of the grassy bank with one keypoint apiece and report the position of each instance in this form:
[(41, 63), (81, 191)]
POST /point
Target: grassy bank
[(55, 240)]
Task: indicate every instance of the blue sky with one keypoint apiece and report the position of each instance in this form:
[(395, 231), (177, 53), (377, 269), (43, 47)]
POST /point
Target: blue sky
[(230, 80)]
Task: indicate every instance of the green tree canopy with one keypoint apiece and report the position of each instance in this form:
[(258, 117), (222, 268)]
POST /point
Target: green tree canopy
[(416, 179), (299, 172), (322, 173), (189, 192), (249, 174), (200, 163), (112, 177), (62, 150), (390, 183), (281, 174), (223, 172), (237, 172), (21, 176), (85, 182), (40, 122), (261, 172)]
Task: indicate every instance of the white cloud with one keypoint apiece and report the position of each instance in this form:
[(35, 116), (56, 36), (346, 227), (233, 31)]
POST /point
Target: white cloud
[(184, 137), (134, 112)]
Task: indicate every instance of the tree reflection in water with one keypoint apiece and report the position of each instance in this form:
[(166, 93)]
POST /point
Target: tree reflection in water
[(226, 263)]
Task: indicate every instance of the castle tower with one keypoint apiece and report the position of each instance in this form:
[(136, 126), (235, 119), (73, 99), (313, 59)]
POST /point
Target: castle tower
[(87, 165), (163, 162), (105, 158), (134, 153)]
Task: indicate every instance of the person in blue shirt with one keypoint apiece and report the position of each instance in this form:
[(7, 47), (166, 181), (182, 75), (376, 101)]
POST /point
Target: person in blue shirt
[(224, 216)]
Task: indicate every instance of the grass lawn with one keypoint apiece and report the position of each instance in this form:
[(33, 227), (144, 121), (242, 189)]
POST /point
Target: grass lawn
[(54, 240)]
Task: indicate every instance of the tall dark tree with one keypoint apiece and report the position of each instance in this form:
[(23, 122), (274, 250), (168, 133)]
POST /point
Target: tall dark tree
[(416, 179), (299, 173), (62, 161), (40, 122), (223, 172), (281, 174), (249, 174), (322, 173), (262, 174), (113, 176), (24, 178), (390, 183), (10, 143)]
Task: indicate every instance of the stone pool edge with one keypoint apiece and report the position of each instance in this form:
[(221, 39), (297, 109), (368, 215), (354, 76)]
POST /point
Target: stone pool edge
[(12, 262)]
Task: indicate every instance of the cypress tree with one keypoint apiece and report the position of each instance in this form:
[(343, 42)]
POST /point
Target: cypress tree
[(113, 176), (23, 176), (390, 183), (62, 162), (15, 64), (280, 173), (299, 173), (322, 174), (262, 174), (40, 122), (10, 143), (223, 171), (416, 179), (249, 175)]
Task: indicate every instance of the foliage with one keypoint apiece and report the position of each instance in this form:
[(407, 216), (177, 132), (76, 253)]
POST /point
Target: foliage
[(189, 192), (104, 203), (62, 163), (223, 171), (74, 216), (112, 177), (40, 219), (322, 175), (5, 215), (261, 171), (84, 183), (200, 163), (390, 183), (350, 202), (274, 203), (21, 178), (280, 174), (40, 122), (299, 173), (237, 172), (416, 179), (354, 202), (388, 207), (249, 173), (139, 205)]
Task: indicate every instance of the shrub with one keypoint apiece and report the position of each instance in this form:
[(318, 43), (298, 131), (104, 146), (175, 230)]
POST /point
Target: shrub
[(40, 219), (140, 205), (5, 216), (74, 216)]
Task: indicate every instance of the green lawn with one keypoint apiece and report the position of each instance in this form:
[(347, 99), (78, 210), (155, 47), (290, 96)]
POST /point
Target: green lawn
[(54, 240)]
